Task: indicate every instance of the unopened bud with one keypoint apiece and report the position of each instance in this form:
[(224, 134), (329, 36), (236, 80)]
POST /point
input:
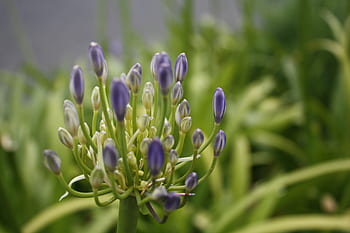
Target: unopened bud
[(159, 193), (186, 124), (110, 157), (197, 138), (65, 137), (142, 122), (152, 131), (219, 105), (172, 202), (181, 66), (167, 128), (52, 161), (177, 93), (76, 84), (219, 142), (182, 110), (173, 157), (144, 146), (120, 97), (147, 99), (134, 78), (191, 181), (128, 114), (168, 142), (71, 119), (96, 178), (155, 156), (95, 98)]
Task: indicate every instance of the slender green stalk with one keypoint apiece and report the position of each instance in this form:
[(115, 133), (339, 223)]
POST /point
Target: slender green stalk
[(172, 117), (104, 102), (180, 144), (121, 136), (94, 122), (211, 169), (156, 102), (164, 106), (300, 222), (84, 169), (210, 139), (128, 215), (80, 194), (134, 111), (83, 128), (194, 158), (102, 204), (276, 184)]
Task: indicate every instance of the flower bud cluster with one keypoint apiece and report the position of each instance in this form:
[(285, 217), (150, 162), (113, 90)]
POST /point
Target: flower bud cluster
[(133, 146)]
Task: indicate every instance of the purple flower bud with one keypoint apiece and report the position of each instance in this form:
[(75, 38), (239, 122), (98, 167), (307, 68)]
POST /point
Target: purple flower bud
[(76, 85), (120, 97), (181, 67), (165, 78), (157, 60), (219, 142), (197, 138), (219, 105), (52, 161), (172, 202), (97, 58), (155, 156), (191, 181), (177, 93), (110, 157)]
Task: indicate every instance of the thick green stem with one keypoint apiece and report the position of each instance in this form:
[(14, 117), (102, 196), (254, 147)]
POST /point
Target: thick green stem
[(128, 214), (297, 223)]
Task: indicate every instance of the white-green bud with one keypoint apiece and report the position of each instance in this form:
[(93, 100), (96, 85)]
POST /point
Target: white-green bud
[(143, 122), (65, 137), (128, 114), (159, 193), (152, 131), (71, 119), (186, 124), (96, 178), (147, 99), (95, 98), (177, 93), (168, 142), (133, 78), (182, 110), (144, 146), (167, 128), (173, 157)]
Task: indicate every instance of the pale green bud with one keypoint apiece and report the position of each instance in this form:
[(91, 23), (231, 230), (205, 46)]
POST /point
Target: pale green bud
[(152, 131), (71, 119), (96, 178), (128, 114), (95, 98), (144, 146), (168, 142), (147, 99), (65, 137), (186, 124), (173, 157), (167, 128), (143, 122)]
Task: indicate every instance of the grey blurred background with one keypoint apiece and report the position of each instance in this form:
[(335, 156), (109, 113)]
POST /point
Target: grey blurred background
[(55, 33)]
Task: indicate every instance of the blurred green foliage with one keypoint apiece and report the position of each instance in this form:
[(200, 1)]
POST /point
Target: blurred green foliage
[(286, 74)]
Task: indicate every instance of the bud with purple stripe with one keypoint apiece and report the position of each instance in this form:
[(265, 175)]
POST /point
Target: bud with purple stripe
[(219, 142), (219, 105), (120, 98), (155, 156)]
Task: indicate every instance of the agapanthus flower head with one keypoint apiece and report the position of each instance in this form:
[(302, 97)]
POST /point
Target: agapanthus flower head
[(219, 105), (181, 67), (219, 142), (110, 157), (191, 181), (120, 97), (172, 202), (155, 156), (76, 84), (97, 58), (52, 161)]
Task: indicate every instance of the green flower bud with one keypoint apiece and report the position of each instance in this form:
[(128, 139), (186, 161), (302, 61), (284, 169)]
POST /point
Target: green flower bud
[(182, 110), (97, 177), (173, 157), (168, 142), (95, 98), (152, 132), (71, 119), (143, 122), (186, 124), (167, 128), (147, 99), (144, 146), (134, 78), (52, 161), (128, 114), (65, 137)]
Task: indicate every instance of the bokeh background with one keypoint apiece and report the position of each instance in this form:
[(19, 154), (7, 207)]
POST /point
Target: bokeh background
[(285, 69)]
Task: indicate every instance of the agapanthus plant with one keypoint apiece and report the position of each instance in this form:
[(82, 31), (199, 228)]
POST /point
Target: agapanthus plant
[(133, 149)]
